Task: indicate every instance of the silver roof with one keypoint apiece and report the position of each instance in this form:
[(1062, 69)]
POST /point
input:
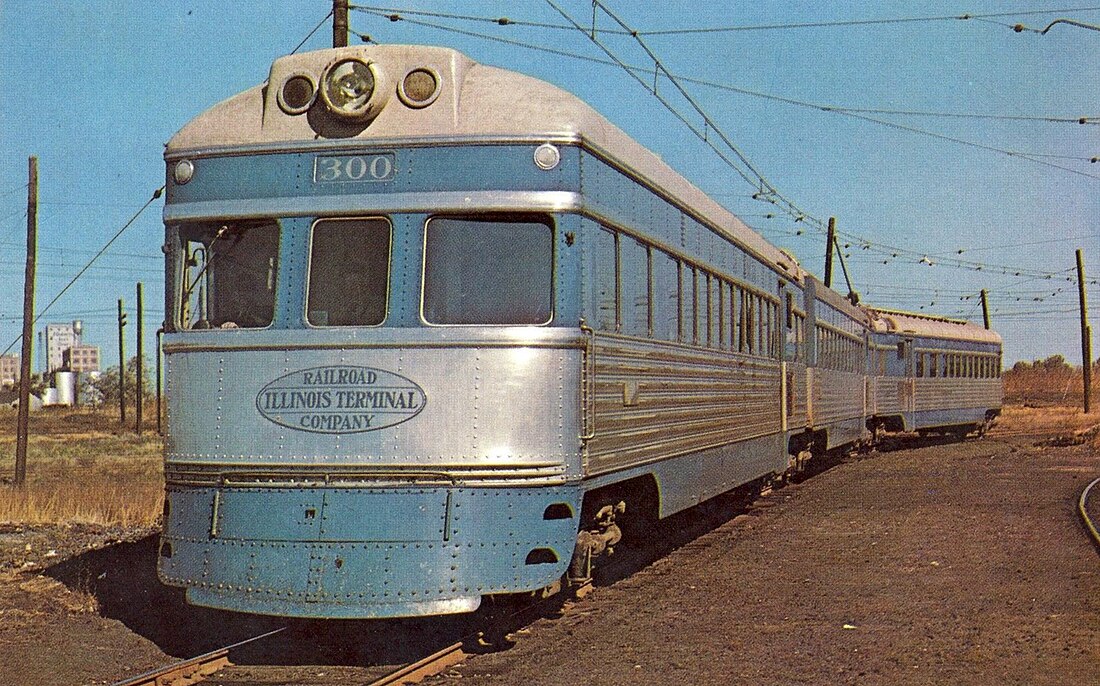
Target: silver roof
[(889, 321), (477, 102)]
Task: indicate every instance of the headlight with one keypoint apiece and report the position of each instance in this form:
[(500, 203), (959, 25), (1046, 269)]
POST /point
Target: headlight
[(419, 88), (351, 88), (297, 94)]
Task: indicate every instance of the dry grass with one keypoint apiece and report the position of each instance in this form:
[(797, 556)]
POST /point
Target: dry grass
[(80, 470), (1038, 386), (1057, 420)]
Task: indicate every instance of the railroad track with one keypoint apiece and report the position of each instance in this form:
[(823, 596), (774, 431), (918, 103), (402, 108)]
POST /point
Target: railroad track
[(1083, 510), (193, 670), (498, 624)]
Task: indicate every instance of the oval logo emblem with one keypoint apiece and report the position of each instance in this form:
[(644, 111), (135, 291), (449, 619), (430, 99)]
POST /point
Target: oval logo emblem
[(340, 399)]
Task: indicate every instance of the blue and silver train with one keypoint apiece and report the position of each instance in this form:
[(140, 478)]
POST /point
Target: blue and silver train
[(438, 331)]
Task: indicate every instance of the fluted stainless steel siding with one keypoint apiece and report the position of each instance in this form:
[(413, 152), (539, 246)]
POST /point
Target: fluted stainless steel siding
[(888, 395), (836, 396), (953, 394), (655, 400)]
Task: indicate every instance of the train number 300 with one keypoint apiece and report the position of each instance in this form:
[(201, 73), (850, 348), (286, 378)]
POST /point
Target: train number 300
[(353, 168)]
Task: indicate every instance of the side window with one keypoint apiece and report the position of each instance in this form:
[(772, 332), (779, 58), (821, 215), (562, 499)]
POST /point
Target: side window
[(737, 318), (714, 311), (666, 296), (699, 330), (723, 315), (349, 263), (634, 286), (488, 271), (747, 316), (604, 281), (687, 303)]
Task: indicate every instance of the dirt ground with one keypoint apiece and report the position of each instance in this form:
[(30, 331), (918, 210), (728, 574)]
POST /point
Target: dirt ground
[(921, 563)]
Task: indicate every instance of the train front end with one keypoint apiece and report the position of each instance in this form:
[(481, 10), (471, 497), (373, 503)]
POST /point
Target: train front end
[(373, 358)]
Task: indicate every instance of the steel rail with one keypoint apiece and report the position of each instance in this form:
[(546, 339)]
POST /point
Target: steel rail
[(1082, 509), (193, 670), (425, 667)]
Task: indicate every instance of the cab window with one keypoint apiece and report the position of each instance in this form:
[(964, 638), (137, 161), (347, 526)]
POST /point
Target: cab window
[(228, 275), (488, 270)]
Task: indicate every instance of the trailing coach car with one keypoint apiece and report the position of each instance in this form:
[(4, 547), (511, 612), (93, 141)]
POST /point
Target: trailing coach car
[(438, 331), (932, 374)]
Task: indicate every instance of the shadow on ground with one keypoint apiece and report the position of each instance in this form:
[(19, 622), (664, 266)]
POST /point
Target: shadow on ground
[(123, 580)]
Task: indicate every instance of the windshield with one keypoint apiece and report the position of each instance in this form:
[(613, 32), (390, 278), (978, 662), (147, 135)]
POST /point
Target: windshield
[(228, 275), (488, 271), (349, 265)]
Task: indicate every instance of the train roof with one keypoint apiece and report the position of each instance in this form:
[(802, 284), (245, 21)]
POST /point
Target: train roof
[(928, 326), (475, 103)]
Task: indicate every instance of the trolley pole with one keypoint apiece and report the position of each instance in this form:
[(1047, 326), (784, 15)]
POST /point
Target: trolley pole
[(139, 410), (1086, 332), (160, 427), (985, 308), (339, 23), (121, 366), (830, 241), (23, 420)]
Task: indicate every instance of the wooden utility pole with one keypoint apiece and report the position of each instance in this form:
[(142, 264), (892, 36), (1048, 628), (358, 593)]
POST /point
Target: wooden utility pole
[(139, 410), (160, 428), (830, 241), (121, 366), (1086, 332), (985, 308), (339, 23), (23, 420)]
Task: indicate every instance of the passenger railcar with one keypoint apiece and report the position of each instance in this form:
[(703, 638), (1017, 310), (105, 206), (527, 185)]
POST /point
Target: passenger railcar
[(436, 329)]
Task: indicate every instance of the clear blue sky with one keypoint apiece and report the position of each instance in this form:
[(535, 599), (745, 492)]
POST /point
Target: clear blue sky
[(95, 88)]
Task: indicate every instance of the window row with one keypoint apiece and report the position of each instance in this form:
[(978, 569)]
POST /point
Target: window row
[(836, 350), (495, 270), (930, 364), (640, 290)]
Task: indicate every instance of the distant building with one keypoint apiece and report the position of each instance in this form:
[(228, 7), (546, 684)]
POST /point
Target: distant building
[(9, 370), (81, 358), (59, 338)]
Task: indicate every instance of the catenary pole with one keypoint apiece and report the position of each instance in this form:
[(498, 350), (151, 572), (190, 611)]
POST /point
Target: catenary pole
[(830, 241), (121, 366), (160, 427), (23, 420), (1086, 333), (985, 309), (139, 409), (339, 23)]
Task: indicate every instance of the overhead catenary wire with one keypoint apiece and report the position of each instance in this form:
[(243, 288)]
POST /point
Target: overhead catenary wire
[(659, 69), (156, 194), (824, 107), (766, 193), (397, 15), (310, 34)]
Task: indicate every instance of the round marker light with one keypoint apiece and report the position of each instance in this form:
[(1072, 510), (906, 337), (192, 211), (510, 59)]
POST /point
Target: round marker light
[(347, 88), (184, 172), (297, 94), (547, 156), (419, 88)]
